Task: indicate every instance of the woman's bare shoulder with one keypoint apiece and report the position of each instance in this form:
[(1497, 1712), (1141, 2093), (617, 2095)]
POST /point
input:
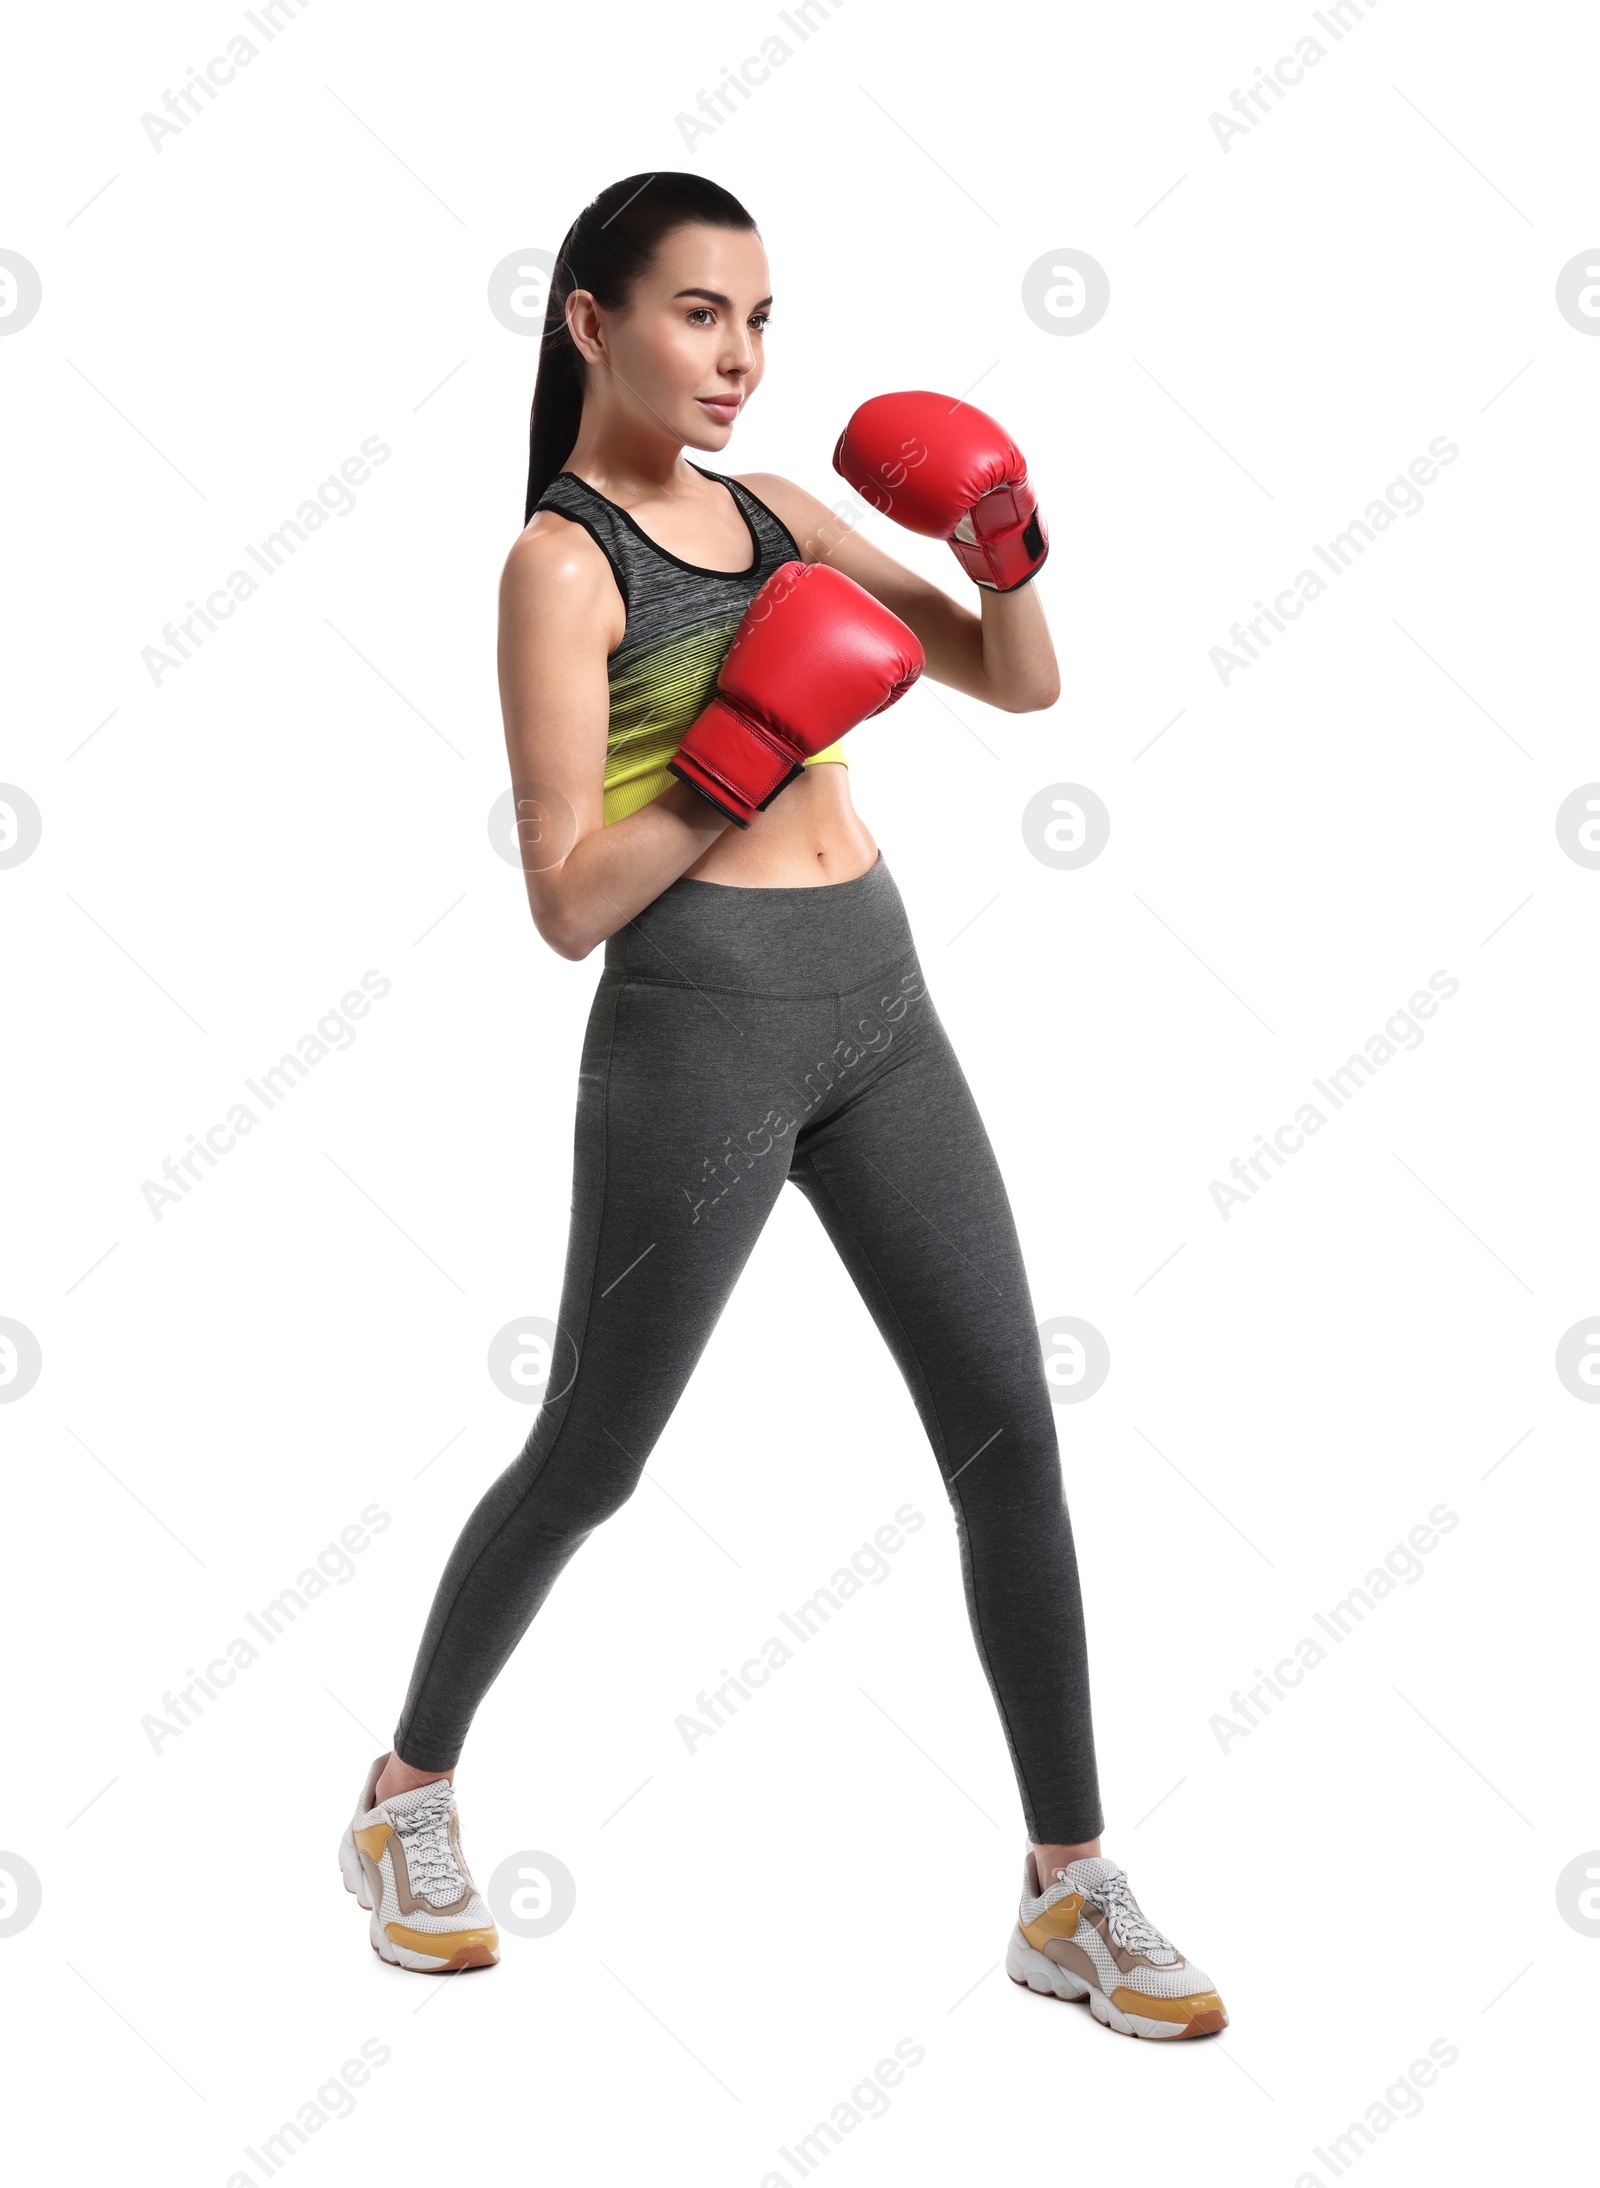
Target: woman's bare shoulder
[(555, 570), (554, 549)]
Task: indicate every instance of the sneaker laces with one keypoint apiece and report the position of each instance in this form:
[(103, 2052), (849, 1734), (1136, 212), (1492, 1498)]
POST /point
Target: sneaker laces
[(430, 1859), (1130, 1929)]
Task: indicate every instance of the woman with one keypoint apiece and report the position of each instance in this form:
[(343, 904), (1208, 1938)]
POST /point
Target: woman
[(761, 1016)]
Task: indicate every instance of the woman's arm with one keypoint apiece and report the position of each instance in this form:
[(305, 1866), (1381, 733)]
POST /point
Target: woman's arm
[(1003, 655), (560, 616)]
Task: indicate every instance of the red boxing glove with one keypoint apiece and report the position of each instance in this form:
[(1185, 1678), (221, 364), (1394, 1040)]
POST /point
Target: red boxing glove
[(947, 470), (814, 656)]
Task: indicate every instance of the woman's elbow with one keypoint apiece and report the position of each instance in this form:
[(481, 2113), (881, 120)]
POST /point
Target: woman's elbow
[(559, 925), (1034, 698), (568, 941), (560, 917)]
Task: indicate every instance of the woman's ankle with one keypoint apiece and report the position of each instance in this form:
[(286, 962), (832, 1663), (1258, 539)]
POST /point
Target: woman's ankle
[(398, 1777), (1048, 1859)]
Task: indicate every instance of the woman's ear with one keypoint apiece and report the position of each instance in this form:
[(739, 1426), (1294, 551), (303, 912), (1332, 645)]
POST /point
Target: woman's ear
[(583, 324)]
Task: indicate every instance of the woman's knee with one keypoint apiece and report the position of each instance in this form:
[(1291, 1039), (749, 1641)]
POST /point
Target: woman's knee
[(576, 1482)]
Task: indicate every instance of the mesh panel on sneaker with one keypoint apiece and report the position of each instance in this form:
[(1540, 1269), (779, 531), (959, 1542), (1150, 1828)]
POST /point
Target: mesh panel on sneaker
[(424, 1917), (1093, 1869), (405, 1804), (1182, 1981), (1089, 1940)]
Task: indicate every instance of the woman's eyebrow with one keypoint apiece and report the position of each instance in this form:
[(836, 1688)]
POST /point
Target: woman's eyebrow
[(713, 296)]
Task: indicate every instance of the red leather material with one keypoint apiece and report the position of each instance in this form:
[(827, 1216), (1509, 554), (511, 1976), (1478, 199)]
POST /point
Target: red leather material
[(734, 761), (814, 656), (942, 468)]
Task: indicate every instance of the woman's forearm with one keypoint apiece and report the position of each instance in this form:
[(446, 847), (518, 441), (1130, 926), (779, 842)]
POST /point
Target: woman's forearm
[(1016, 659), (612, 873)]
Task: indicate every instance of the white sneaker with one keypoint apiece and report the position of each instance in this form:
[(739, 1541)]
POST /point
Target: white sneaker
[(1085, 1937), (402, 1858)]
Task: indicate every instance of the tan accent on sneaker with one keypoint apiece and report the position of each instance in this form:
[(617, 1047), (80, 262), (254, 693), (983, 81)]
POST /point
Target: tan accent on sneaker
[(1067, 1955), (372, 1838), (1200, 2006), (1120, 1954), (1061, 1920), (457, 1948)]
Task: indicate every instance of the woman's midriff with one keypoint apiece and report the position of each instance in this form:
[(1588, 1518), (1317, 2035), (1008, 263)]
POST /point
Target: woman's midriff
[(811, 834)]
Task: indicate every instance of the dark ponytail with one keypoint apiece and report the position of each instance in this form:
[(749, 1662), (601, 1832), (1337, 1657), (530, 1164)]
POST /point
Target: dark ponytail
[(606, 249)]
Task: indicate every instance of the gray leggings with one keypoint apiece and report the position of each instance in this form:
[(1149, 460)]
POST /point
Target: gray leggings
[(740, 1037)]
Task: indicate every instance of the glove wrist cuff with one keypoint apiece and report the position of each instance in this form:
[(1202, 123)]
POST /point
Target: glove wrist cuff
[(1001, 543), (734, 760)]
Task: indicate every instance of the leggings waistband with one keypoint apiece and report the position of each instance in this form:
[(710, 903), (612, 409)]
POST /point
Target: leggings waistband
[(826, 940)]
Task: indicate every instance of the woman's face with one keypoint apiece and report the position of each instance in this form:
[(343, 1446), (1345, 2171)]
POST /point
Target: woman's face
[(686, 352)]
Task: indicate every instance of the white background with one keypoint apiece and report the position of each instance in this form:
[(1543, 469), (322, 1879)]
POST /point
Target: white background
[(1373, 1867)]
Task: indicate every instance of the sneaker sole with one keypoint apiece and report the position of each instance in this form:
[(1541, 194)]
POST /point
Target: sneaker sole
[(476, 1955), (1035, 1971)]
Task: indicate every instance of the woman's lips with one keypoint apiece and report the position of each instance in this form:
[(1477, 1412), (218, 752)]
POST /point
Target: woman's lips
[(724, 408)]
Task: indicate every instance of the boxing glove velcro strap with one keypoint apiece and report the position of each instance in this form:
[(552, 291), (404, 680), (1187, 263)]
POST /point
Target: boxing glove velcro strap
[(1001, 542), (735, 761), (719, 796)]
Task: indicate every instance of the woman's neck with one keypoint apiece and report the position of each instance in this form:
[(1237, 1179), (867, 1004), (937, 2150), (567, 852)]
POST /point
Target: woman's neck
[(627, 458)]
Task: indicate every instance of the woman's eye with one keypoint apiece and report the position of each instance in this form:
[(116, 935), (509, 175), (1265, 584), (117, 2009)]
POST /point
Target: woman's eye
[(760, 320), (701, 315)]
